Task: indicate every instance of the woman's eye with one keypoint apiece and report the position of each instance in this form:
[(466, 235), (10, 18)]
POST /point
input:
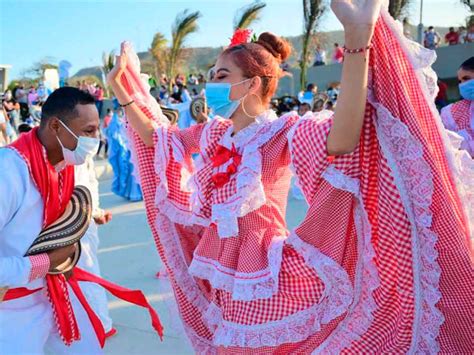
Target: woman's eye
[(221, 77)]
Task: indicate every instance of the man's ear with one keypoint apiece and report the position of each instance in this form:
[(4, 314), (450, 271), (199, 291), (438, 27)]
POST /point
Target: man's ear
[(53, 124)]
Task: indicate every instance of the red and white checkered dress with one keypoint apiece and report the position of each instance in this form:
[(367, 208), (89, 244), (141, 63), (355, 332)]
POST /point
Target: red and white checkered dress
[(382, 261), (459, 118)]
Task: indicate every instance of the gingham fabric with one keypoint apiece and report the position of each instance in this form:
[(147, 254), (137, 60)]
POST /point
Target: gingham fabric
[(39, 266), (380, 264), (459, 118)]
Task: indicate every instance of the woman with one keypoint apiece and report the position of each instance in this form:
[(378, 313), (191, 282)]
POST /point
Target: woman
[(361, 273), (459, 116), (124, 183)]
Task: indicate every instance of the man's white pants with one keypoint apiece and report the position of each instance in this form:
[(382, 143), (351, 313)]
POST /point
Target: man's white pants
[(27, 327), (88, 261)]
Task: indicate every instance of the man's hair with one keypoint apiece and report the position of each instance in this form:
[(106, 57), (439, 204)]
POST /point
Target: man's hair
[(62, 104), (431, 28), (468, 64)]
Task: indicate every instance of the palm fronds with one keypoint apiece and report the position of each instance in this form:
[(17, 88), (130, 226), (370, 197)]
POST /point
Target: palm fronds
[(396, 7), (248, 14), (312, 12), (184, 25)]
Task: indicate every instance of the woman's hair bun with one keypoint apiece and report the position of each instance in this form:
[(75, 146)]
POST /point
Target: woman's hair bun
[(277, 46)]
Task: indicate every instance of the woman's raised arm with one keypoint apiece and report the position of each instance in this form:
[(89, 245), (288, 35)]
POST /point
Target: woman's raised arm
[(358, 18), (139, 121)]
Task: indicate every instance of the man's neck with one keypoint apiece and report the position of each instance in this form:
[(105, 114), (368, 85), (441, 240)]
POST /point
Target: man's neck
[(54, 157)]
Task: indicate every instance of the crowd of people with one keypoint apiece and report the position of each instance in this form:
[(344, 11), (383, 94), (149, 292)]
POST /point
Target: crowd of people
[(432, 39)]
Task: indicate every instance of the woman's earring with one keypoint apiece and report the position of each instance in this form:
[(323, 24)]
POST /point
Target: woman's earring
[(243, 105)]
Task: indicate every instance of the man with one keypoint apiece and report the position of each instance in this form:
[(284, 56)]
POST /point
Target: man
[(37, 179), (452, 37), (432, 38), (338, 54), (319, 57), (459, 117)]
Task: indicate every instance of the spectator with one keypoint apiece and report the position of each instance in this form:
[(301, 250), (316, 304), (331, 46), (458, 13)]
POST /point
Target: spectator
[(338, 54), (452, 37), (4, 140), (470, 35), (12, 108), (42, 92), (107, 119), (303, 109), (462, 34), (163, 92), (201, 78), (432, 38), (32, 96), (99, 98), (319, 57), (442, 97), (333, 92), (193, 80), (308, 95), (22, 98)]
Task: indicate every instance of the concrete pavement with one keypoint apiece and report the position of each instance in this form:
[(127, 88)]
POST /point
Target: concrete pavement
[(128, 257)]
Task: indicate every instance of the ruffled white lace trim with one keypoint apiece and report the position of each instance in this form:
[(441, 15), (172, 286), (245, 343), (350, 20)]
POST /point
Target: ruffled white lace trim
[(415, 183), (335, 300), (242, 286), (176, 212), (250, 193), (360, 315)]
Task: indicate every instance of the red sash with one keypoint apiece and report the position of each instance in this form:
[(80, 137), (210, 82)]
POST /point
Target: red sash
[(56, 190)]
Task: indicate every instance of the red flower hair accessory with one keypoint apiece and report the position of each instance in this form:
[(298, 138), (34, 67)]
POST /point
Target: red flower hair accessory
[(241, 35)]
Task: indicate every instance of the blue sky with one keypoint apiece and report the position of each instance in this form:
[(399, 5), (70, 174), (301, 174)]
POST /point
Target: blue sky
[(80, 31)]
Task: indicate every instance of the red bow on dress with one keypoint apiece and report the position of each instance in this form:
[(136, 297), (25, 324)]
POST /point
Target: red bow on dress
[(222, 156)]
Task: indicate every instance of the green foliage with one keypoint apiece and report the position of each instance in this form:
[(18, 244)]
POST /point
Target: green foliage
[(312, 12), (396, 8), (248, 15)]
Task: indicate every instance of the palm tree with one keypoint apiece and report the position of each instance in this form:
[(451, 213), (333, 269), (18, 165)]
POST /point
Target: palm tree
[(248, 14), (159, 51), (312, 12), (396, 7), (468, 3), (108, 61), (184, 24)]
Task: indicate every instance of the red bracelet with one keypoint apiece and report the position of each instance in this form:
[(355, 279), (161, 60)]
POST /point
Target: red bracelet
[(358, 50)]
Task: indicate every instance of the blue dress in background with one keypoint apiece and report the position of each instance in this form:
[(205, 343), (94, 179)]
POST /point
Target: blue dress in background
[(125, 183)]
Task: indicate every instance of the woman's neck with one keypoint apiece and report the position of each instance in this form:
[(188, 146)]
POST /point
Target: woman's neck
[(240, 120)]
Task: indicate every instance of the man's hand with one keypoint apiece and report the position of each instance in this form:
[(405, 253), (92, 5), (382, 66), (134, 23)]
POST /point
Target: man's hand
[(60, 255), (105, 218)]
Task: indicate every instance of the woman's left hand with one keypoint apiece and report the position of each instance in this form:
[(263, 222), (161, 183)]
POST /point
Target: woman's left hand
[(358, 18), (357, 12)]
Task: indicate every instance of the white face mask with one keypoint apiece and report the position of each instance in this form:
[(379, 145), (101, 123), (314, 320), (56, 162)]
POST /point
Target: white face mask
[(86, 147)]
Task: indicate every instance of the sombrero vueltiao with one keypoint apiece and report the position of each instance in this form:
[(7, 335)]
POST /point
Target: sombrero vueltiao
[(198, 106), (171, 114), (66, 230)]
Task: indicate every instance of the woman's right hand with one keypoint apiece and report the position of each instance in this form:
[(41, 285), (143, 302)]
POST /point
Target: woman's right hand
[(120, 64)]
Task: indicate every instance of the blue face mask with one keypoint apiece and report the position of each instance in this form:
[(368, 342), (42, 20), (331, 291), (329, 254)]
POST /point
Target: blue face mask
[(467, 90), (218, 98)]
